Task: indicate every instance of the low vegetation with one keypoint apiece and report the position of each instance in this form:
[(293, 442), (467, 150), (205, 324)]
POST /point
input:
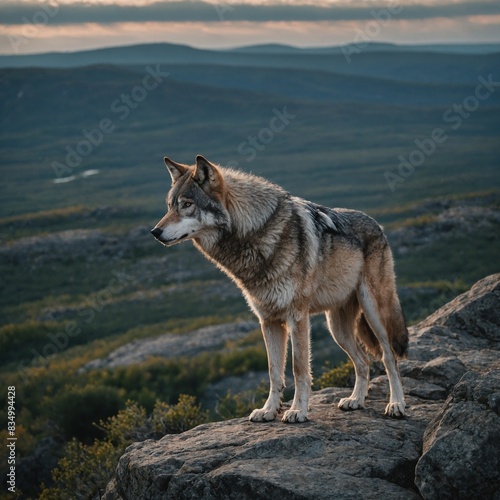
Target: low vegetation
[(339, 376), (85, 469)]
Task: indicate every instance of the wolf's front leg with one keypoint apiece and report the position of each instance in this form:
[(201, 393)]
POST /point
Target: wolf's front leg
[(299, 332), (275, 337)]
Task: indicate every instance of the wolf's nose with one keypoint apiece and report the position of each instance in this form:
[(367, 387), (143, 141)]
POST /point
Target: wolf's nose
[(156, 232)]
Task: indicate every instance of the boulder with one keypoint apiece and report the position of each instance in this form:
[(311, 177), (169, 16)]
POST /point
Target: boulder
[(448, 446), (474, 314), (461, 446), (356, 455)]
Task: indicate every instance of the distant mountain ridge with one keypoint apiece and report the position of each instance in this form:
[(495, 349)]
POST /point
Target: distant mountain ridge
[(458, 48), (435, 63), (24, 90)]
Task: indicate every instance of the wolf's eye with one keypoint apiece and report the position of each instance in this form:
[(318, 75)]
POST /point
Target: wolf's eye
[(186, 204)]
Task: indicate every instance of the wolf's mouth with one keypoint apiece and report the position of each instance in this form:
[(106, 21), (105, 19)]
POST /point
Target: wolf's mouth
[(157, 233), (173, 241)]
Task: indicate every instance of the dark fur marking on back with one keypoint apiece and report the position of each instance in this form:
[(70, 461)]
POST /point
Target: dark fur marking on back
[(326, 219)]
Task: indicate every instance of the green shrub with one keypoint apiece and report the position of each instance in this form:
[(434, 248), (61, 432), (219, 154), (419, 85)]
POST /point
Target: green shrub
[(129, 425), (340, 376), (85, 470), (185, 415), (76, 408), (25, 341), (242, 404)]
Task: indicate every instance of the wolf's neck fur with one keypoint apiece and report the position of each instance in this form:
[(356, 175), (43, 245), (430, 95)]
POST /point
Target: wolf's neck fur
[(250, 201)]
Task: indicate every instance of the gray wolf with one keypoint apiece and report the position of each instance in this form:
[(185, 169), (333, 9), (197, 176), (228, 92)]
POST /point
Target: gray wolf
[(292, 258)]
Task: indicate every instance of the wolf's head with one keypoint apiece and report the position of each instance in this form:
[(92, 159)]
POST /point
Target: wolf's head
[(195, 203)]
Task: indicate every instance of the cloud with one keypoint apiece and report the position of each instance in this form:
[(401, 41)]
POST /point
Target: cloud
[(199, 11)]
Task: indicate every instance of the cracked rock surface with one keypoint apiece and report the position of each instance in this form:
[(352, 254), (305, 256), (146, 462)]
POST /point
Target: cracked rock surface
[(448, 446)]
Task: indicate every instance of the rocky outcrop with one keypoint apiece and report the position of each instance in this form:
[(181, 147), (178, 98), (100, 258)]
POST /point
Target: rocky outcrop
[(438, 220), (333, 454), (172, 346), (445, 448)]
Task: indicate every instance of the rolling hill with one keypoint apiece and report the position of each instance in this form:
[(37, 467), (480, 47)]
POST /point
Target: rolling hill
[(377, 61)]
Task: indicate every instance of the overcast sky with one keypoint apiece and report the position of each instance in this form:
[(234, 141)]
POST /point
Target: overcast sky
[(67, 25)]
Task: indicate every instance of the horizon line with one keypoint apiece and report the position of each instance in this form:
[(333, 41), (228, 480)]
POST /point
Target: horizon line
[(263, 44)]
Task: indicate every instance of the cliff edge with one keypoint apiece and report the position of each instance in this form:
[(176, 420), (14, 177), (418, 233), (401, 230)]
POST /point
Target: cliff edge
[(448, 446)]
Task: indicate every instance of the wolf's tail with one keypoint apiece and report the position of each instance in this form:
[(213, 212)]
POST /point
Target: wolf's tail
[(396, 328), (380, 279), (394, 323)]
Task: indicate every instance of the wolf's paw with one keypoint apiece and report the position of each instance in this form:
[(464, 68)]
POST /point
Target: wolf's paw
[(262, 415), (395, 410), (294, 416), (348, 404)]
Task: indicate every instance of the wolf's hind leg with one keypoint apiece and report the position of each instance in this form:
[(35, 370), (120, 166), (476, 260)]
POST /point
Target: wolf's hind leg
[(341, 323), (300, 335), (275, 337), (396, 406)]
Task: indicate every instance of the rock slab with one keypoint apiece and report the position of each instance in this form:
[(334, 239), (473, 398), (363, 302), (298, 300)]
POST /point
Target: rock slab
[(447, 447), (356, 455)]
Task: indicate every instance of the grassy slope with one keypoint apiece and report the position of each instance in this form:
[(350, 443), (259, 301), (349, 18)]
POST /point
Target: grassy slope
[(335, 153)]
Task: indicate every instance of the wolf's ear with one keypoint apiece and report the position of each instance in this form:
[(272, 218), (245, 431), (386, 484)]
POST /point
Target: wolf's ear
[(176, 170), (206, 174)]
